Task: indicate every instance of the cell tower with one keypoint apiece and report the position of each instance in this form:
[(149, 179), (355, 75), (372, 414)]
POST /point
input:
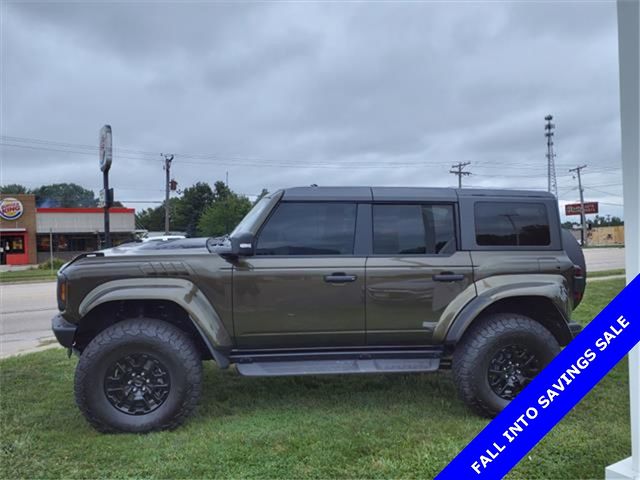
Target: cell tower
[(552, 183)]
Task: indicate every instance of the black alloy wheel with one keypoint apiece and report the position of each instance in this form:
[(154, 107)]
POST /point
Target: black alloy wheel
[(511, 369), (137, 384)]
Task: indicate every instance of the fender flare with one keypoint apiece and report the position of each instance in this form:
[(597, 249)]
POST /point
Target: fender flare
[(182, 292), (551, 287)]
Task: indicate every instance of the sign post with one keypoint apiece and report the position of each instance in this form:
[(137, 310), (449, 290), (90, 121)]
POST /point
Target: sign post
[(105, 157), (628, 55)]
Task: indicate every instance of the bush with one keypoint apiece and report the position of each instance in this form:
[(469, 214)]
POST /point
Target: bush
[(57, 263)]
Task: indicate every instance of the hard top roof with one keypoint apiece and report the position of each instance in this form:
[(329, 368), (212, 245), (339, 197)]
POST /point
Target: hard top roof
[(399, 194)]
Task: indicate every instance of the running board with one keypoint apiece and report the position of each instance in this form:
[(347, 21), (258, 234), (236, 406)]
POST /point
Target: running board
[(341, 363)]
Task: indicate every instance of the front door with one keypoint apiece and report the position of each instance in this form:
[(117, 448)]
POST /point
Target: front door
[(304, 287), (414, 273)]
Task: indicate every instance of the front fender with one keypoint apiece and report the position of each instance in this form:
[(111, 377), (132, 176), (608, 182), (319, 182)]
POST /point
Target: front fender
[(183, 292), (493, 289)]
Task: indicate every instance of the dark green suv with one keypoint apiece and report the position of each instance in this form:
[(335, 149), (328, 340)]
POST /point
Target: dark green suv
[(327, 280)]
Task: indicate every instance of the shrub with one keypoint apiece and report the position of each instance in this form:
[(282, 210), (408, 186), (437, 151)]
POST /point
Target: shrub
[(57, 263)]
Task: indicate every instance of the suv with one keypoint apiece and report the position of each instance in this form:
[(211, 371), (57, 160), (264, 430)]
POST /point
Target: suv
[(327, 280)]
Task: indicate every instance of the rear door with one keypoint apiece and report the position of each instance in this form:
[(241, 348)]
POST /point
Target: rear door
[(415, 271), (305, 286)]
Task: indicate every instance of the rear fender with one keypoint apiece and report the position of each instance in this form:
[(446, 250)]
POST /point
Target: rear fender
[(492, 290)]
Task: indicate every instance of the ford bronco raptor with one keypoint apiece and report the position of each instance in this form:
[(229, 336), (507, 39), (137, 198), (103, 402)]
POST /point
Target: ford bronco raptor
[(327, 280)]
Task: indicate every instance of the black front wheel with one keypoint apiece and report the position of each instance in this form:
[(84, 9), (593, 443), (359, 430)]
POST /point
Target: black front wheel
[(498, 357), (138, 376)]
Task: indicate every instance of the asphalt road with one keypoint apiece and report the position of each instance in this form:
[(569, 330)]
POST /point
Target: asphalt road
[(25, 316), (599, 259), (26, 309)]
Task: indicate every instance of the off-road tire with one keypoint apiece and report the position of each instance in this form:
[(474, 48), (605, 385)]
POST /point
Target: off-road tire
[(481, 342), (173, 347)]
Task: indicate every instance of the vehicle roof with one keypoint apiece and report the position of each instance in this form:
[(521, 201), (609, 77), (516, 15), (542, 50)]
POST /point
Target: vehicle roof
[(401, 193)]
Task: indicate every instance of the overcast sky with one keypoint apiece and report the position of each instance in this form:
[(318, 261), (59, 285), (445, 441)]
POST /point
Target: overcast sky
[(292, 93)]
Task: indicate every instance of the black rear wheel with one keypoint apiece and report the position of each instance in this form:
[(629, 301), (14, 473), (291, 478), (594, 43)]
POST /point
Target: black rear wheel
[(498, 357), (138, 376)]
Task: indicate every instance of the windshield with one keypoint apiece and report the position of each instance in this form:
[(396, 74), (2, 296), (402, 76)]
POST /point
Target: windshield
[(250, 217)]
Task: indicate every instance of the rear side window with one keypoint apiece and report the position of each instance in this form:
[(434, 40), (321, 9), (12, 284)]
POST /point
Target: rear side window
[(309, 229), (513, 224), (413, 229)]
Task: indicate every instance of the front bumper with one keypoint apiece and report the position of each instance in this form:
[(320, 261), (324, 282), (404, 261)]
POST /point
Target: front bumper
[(575, 329), (64, 331)]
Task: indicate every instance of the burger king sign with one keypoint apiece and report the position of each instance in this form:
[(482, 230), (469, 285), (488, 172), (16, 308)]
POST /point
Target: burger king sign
[(11, 209)]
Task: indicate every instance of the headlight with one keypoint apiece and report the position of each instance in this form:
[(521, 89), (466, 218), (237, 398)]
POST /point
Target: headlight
[(62, 292)]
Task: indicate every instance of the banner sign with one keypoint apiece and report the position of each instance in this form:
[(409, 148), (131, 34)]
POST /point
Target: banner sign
[(555, 391), (574, 208)]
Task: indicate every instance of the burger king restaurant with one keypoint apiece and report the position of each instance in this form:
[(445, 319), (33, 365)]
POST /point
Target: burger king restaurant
[(28, 235)]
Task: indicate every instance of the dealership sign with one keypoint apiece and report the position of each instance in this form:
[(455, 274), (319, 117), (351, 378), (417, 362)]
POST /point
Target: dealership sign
[(106, 148), (574, 208), (11, 209)]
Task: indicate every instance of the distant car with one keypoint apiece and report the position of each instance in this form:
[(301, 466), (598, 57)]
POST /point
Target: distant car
[(163, 238), (175, 244), (327, 281)]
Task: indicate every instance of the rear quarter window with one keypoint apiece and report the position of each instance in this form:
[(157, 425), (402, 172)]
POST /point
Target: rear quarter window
[(511, 224)]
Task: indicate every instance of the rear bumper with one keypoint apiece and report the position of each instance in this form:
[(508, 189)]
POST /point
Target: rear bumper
[(575, 329), (64, 331)]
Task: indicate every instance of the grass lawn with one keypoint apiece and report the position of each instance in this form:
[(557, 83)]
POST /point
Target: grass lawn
[(27, 275), (407, 426), (606, 273)]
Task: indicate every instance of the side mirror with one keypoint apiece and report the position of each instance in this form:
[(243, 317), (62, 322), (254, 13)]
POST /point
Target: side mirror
[(232, 247), (243, 245)]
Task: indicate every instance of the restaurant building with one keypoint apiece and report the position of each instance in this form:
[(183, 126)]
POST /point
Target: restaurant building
[(28, 233)]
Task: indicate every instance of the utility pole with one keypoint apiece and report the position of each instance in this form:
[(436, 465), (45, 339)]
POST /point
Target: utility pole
[(459, 172), (552, 183), (167, 170), (583, 220)]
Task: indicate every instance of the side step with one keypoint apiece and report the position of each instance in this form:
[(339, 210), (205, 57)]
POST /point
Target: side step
[(269, 365)]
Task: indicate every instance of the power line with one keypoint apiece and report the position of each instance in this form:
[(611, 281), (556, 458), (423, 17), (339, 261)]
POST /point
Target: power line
[(582, 214), (168, 158), (459, 172)]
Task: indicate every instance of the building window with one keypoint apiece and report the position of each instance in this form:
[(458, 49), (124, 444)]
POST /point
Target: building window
[(68, 242), (12, 243)]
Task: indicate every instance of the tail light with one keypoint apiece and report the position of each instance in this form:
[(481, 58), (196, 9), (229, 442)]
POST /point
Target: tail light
[(62, 292), (578, 284)]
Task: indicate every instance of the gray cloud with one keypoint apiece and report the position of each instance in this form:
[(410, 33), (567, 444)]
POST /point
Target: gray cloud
[(297, 93)]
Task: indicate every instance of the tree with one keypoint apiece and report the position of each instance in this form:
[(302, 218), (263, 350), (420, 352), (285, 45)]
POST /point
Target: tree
[(66, 195), (13, 189), (608, 221), (152, 219), (222, 191), (190, 207), (263, 193), (223, 216)]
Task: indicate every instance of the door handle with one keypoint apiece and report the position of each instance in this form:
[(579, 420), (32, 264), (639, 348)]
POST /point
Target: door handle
[(448, 277), (340, 277)]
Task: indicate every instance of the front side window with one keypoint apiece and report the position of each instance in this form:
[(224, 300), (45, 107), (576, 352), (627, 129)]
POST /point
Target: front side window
[(309, 229), (413, 229), (512, 224)]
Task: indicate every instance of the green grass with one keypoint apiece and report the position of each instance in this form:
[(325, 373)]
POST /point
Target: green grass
[(606, 273), (376, 426), (30, 275)]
